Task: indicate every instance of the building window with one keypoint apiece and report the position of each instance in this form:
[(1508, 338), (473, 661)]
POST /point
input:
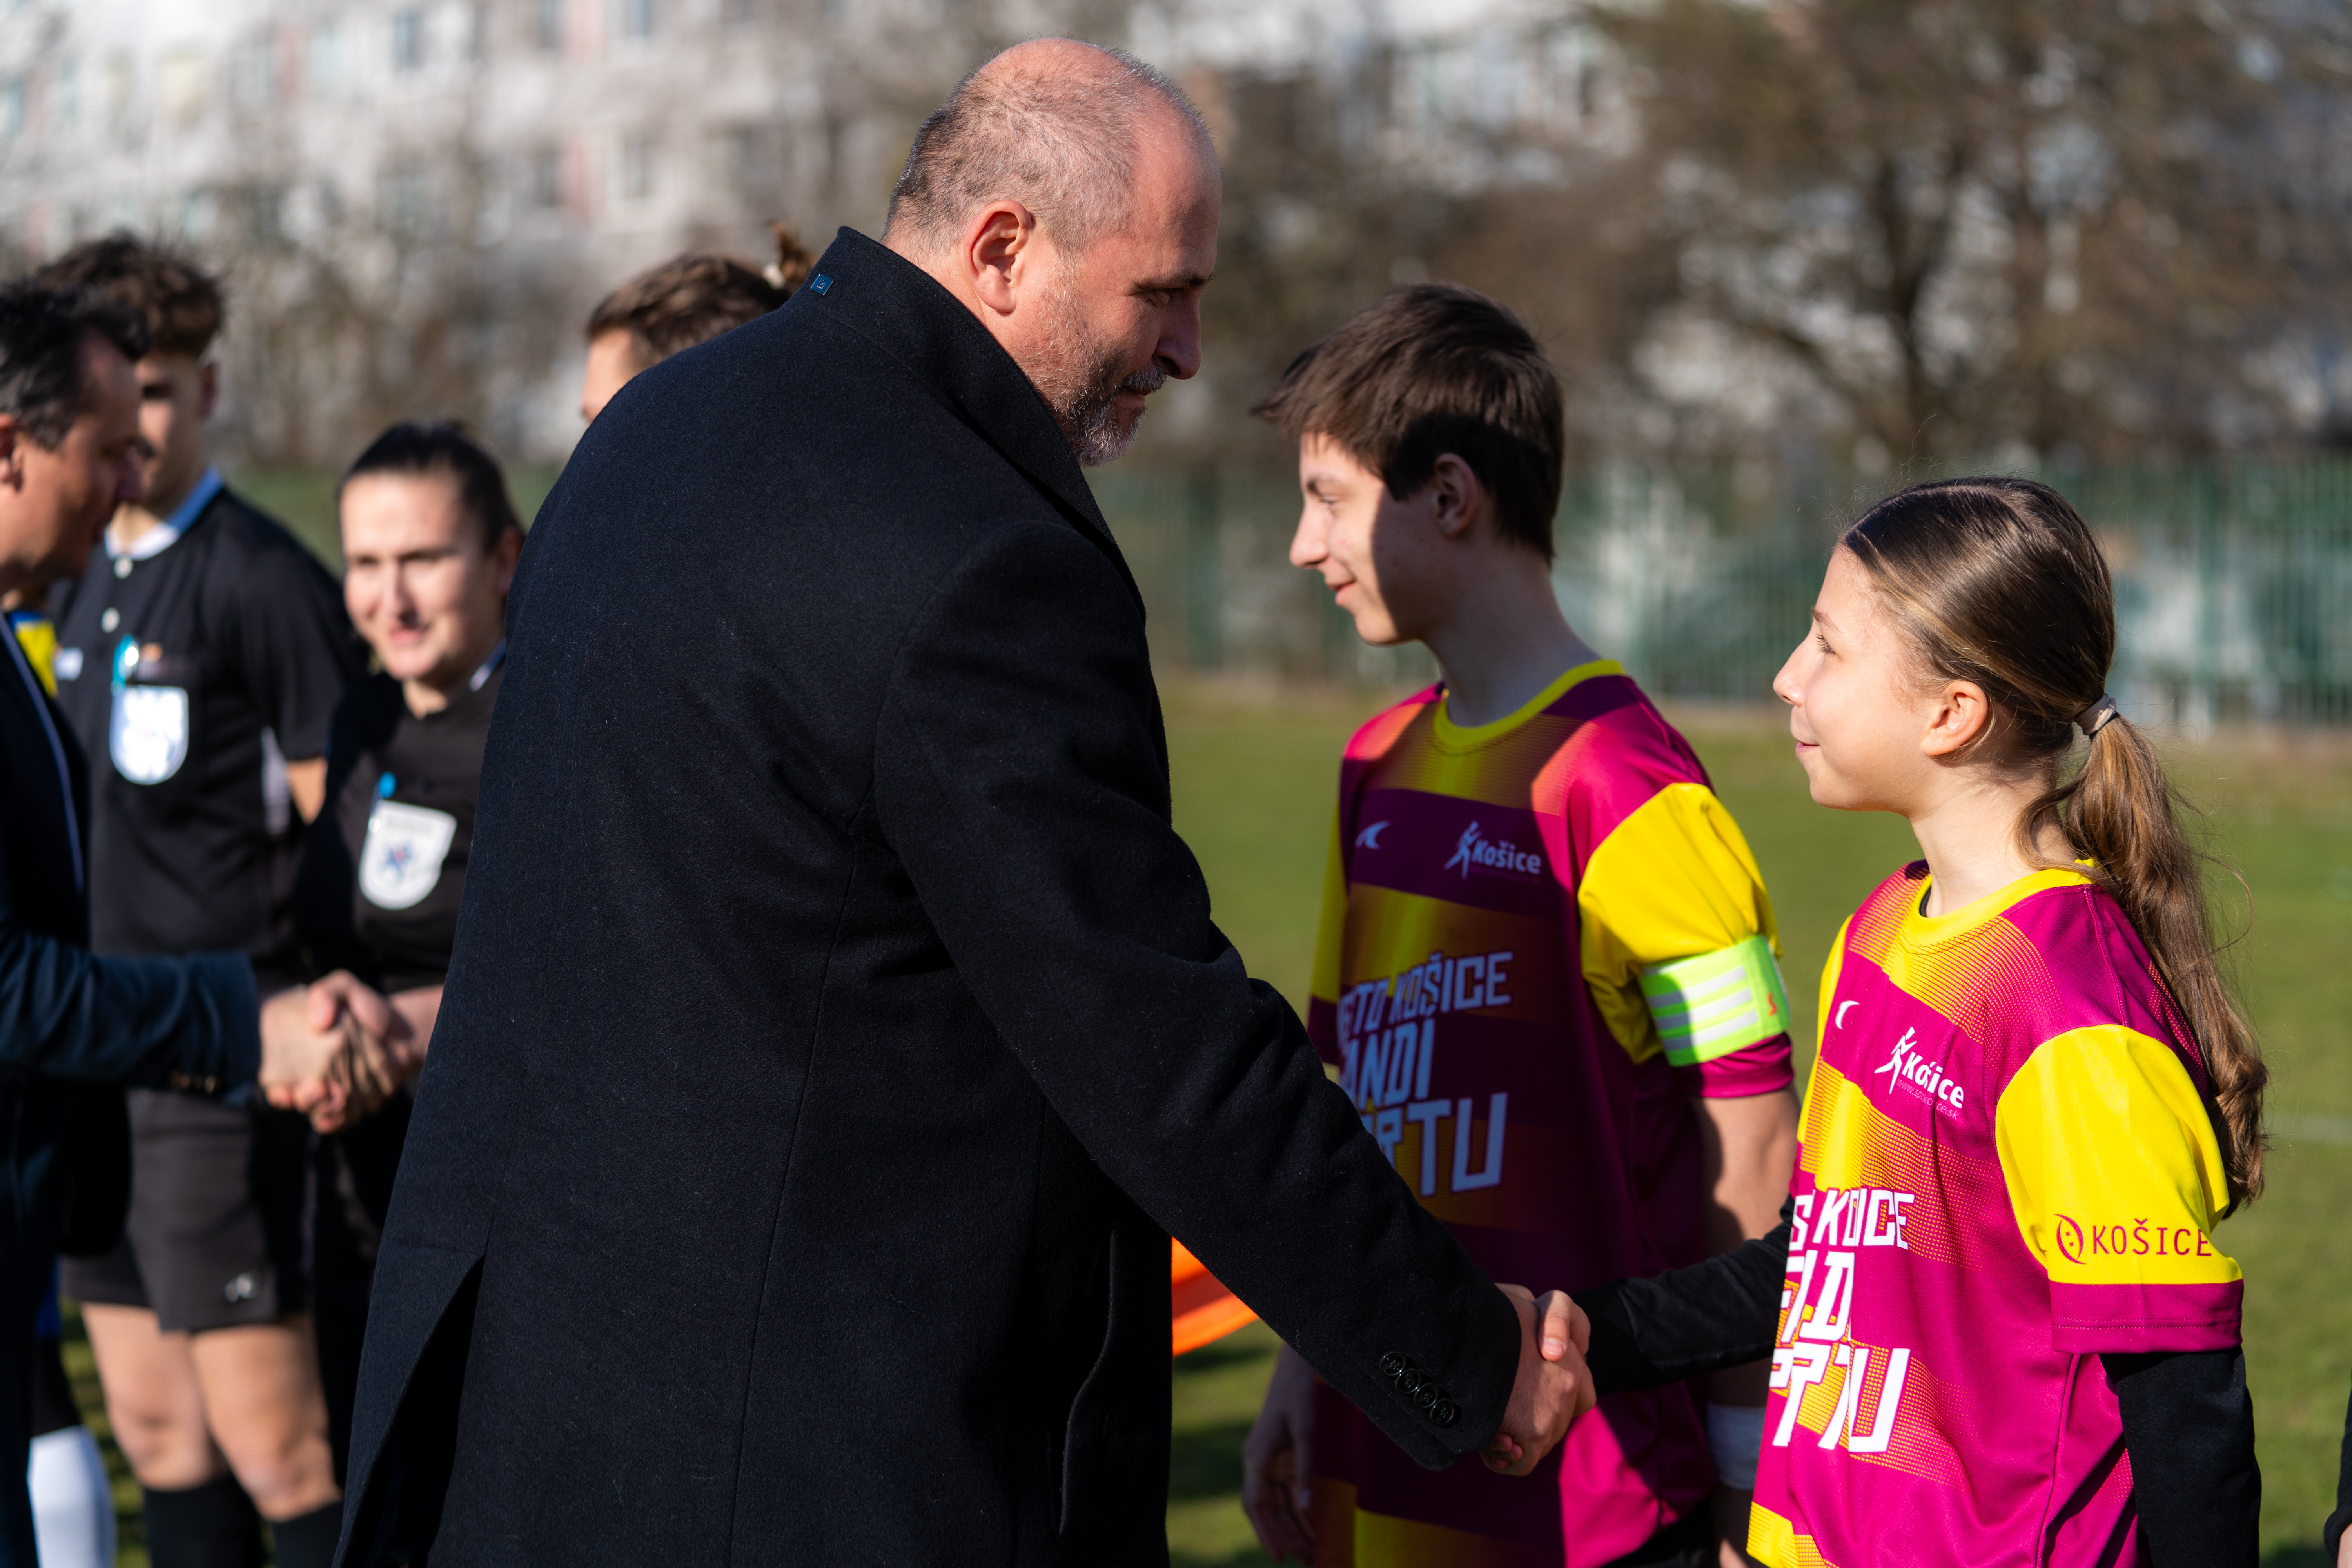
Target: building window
[(407, 39), (640, 154), (65, 94), (12, 108), (547, 27), (739, 13), (544, 182), (327, 59), (252, 73), (737, 160), (637, 18)]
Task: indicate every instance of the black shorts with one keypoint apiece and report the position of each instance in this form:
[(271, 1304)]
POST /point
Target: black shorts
[(219, 1208)]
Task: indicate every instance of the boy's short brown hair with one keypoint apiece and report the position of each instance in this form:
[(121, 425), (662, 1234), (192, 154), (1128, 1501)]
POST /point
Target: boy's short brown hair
[(1431, 369), (693, 298), (179, 301)]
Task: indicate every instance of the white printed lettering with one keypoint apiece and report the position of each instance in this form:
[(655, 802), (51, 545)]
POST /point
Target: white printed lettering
[(1464, 1180)]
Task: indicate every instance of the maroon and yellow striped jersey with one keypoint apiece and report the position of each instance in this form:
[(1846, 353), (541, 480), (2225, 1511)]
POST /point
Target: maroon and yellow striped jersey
[(1542, 937)]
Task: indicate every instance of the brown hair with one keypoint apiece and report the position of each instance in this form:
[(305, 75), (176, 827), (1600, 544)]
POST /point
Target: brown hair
[(1999, 582), (180, 302), (43, 382), (1432, 369), (447, 447), (693, 298)]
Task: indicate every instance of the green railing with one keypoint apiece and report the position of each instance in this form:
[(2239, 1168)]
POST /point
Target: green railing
[(2233, 581)]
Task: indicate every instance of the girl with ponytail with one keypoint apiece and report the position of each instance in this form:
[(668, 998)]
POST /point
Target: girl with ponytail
[(2007, 1330)]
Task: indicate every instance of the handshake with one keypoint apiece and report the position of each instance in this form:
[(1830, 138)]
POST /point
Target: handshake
[(1552, 1388), (335, 1051)]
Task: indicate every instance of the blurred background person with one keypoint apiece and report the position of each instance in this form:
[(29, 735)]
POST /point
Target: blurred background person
[(199, 659), (71, 1022), (685, 300), (73, 1501), (430, 540)]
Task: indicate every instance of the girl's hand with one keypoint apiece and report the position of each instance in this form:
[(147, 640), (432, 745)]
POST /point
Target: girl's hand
[(1277, 1463)]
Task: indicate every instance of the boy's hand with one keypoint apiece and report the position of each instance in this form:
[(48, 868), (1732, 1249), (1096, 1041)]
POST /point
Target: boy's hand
[(1278, 1463), (1553, 1387)]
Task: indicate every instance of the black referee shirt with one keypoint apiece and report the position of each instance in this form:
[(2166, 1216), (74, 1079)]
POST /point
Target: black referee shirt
[(181, 673), (381, 875)]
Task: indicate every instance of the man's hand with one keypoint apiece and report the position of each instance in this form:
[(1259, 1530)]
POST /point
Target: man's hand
[(331, 1050), (1553, 1388), (1278, 1462)]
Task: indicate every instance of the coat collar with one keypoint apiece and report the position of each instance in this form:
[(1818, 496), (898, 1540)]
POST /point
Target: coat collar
[(902, 311)]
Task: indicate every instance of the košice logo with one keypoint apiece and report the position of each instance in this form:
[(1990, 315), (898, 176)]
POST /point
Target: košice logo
[(2078, 1243), (1489, 855), (1907, 1065)]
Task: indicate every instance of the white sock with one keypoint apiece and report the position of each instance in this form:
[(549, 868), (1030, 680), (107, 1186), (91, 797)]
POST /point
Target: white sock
[(73, 1505)]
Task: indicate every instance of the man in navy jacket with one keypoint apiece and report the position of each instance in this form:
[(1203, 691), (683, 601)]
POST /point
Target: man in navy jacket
[(69, 1019), (837, 1028)]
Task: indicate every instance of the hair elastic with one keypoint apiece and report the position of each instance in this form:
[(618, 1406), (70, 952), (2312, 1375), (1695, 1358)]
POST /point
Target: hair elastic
[(2094, 718)]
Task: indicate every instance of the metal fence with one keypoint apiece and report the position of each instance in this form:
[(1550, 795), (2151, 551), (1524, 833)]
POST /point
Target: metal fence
[(2233, 581)]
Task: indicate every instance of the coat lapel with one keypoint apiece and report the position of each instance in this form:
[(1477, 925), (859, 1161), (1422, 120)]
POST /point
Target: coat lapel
[(900, 309)]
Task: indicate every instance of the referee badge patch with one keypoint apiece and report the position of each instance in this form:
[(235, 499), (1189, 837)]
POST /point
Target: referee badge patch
[(148, 734), (400, 861)]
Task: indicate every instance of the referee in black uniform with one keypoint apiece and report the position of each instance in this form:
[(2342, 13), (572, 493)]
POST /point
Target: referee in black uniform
[(199, 659), (430, 540), (69, 450)]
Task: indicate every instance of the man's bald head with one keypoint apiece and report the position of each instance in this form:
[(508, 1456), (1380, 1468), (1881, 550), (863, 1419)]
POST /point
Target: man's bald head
[(1054, 124)]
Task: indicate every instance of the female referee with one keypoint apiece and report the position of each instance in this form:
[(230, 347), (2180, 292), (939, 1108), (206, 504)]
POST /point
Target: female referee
[(430, 540)]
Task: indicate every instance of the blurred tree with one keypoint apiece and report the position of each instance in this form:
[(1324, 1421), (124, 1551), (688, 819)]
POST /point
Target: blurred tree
[(2116, 226)]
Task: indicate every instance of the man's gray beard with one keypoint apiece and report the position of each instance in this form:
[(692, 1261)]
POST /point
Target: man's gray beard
[(1081, 382)]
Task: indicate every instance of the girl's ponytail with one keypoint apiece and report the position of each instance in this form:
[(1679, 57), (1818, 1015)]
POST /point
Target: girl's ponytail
[(1999, 582), (2121, 811)]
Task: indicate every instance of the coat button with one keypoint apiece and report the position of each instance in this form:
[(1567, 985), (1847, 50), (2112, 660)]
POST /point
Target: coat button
[(1428, 1396), (1446, 1415), (1411, 1380), (1392, 1365)]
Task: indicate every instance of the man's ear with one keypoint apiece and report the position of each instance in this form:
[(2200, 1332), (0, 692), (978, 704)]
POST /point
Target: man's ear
[(1461, 499), (208, 388), (1961, 716), (997, 253)]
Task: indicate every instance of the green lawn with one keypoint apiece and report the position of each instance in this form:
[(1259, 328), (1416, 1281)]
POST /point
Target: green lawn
[(1254, 774)]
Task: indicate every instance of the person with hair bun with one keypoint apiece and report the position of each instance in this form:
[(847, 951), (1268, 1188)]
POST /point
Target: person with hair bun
[(430, 540), (688, 300), (2001, 1327)]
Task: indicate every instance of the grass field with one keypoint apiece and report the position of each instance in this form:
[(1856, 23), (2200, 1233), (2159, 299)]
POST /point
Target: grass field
[(1254, 770)]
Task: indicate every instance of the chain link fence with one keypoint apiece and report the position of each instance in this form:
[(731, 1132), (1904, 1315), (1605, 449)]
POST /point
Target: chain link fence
[(2233, 581)]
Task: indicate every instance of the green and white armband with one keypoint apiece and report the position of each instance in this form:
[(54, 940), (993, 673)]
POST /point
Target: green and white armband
[(1714, 1003)]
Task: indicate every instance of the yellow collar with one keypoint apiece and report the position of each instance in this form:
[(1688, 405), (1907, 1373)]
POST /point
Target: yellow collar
[(1935, 930), (1452, 737)]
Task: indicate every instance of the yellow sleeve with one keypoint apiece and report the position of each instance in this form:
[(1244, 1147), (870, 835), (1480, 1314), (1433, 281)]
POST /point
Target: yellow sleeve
[(2114, 1176), (1678, 946)]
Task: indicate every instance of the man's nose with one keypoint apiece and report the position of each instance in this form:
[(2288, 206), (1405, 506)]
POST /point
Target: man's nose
[(1180, 340)]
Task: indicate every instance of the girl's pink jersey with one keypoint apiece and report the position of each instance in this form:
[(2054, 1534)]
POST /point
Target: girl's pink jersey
[(2006, 1168)]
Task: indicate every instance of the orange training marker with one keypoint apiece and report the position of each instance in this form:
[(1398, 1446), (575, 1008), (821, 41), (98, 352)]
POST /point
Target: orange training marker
[(1204, 1310)]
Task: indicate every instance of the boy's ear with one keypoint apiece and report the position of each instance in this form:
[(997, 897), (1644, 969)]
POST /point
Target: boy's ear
[(1460, 497)]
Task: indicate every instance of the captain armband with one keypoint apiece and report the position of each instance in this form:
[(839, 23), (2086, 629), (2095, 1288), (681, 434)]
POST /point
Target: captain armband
[(1716, 1002)]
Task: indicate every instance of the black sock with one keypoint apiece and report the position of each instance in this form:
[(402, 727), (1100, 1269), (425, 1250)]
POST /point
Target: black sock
[(210, 1526), (308, 1540)]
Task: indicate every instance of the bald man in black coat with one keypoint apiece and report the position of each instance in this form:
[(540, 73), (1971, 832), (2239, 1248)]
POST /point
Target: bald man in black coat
[(837, 1028)]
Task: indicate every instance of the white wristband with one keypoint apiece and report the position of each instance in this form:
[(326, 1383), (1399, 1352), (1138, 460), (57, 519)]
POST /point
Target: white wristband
[(1734, 1433)]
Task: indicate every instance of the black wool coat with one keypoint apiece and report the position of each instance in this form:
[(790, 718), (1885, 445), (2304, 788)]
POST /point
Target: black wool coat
[(836, 1028)]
